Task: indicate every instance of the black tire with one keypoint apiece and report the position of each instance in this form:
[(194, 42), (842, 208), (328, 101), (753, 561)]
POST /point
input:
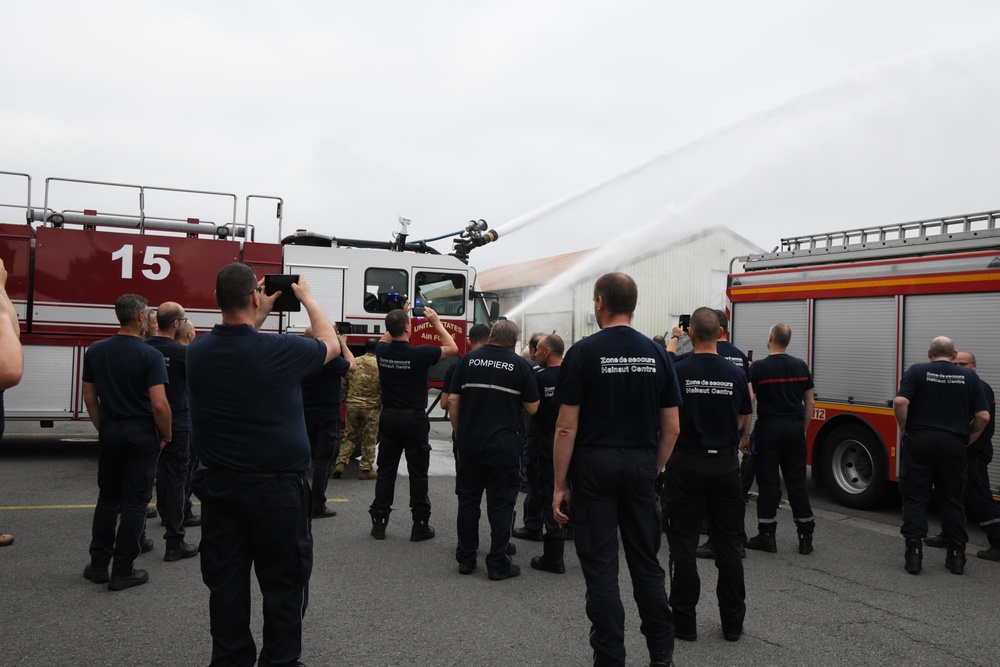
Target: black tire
[(855, 467)]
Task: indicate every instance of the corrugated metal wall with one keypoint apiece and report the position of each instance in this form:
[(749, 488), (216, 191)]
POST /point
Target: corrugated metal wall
[(675, 281)]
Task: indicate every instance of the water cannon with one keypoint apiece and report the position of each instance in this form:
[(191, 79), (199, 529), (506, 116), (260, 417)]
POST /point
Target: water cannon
[(475, 234)]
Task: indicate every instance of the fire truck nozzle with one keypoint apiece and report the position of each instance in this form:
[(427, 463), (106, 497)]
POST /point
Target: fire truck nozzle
[(476, 233)]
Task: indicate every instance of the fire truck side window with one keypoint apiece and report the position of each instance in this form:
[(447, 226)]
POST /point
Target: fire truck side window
[(385, 290), (444, 292)]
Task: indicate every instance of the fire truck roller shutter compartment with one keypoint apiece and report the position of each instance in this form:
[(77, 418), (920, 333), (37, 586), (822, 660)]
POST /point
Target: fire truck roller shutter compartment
[(972, 321), (751, 323), (327, 286), (854, 357)]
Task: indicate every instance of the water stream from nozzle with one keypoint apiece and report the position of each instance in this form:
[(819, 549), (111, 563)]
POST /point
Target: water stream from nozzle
[(808, 151)]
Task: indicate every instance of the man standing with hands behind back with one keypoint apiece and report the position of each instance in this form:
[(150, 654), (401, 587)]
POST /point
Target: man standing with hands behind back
[(617, 424)]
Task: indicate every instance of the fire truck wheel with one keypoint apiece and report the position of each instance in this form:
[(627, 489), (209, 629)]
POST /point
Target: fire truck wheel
[(856, 466)]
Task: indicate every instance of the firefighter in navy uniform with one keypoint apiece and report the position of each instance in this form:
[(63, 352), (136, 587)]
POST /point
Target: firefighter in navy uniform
[(321, 403), (703, 473), (940, 410), (783, 387), (548, 355), (250, 431), (488, 391), (616, 429), (981, 505), (403, 426), (124, 384)]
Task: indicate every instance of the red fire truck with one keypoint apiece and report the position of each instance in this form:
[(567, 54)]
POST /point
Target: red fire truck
[(67, 267), (863, 306)]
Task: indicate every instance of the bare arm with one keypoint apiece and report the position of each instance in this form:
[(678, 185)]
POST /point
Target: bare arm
[(93, 404), (979, 423), (448, 346), (810, 402), (670, 428), (11, 359), (562, 454), (453, 412), (161, 413), (673, 343), (346, 350), (445, 400), (530, 408), (744, 424), (321, 327), (900, 408)]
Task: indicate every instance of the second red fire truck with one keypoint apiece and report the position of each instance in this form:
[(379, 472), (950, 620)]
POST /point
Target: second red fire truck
[(863, 306)]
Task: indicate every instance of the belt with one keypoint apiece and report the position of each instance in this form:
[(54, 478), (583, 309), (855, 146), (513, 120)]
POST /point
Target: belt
[(708, 453), (403, 411), (255, 474)]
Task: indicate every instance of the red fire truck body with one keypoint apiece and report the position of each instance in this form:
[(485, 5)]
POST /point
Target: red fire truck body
[(64, 281), (863, 306)]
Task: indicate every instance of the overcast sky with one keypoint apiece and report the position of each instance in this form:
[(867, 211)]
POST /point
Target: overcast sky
[(774, 118)]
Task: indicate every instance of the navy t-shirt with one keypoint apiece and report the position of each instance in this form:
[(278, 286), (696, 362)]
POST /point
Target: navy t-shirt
[(548, 406), (492, 382), (448, 375), (246, 398), (175, 357), (715, 394), (321, 393), (983, 446), (124, 368), (621, 380), (780, 382), (402, 372), (943, 397), (726, 350)]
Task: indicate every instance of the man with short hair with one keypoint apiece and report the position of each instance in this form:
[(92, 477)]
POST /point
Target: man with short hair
[(403, 425), (123, 389), (548, 354), (703, 475), (250, 431), (489, 390), (783, 387), (478, 335), (185, 334), (532, 510), (940, 410), (617, 425), (321, 401), (175, 458), (362, 395), (983, 508)]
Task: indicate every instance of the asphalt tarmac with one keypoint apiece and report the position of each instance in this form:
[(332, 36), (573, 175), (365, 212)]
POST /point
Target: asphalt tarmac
[(395, 602)]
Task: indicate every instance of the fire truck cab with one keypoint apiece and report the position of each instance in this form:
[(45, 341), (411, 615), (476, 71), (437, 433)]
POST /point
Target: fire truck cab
[(863, 306), (67, 267)]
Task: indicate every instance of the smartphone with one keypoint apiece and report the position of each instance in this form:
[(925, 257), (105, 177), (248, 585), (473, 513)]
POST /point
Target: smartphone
[(684, 322), (418, 309), (287, 302), (345, 328), (749, 355)]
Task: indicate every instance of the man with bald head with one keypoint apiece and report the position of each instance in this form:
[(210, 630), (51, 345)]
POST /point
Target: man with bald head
[(783, 387), (940, 410), (172, 468)]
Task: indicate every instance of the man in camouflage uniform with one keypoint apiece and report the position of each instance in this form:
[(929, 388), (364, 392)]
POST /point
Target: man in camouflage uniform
[(362, 391)]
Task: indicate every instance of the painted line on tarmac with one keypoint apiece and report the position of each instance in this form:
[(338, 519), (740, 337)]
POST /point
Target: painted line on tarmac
[(16, 508)]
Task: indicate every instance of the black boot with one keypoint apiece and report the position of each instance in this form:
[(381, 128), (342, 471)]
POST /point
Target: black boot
[(805, 544), (914, 555), (551, 559), (421, 529), (764, 540), (661, 659), (955, 560), (380, 519)]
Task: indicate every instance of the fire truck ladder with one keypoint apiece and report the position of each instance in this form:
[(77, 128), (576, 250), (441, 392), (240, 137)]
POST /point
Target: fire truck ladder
[(976, 231)]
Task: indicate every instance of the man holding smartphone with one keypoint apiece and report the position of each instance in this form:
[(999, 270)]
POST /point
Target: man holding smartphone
[(250, 431), (403, 424)]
